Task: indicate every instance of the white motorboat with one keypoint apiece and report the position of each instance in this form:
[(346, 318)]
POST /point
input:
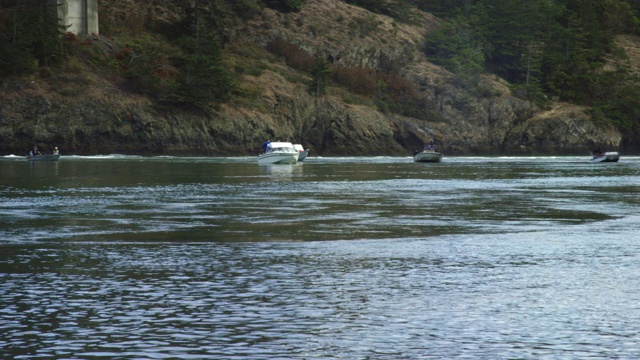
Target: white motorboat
[(278, 153), (610, 156), (302, 153), (429, 154)]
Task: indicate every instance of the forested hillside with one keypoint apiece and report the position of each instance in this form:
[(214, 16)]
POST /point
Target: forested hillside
[(184, 55), (565, 49)]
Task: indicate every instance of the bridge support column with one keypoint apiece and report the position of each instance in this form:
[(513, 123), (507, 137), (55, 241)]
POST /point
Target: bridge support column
[(81, 16)]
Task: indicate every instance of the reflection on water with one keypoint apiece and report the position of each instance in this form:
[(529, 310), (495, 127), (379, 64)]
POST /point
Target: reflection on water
[(282, 171), (379, 258)]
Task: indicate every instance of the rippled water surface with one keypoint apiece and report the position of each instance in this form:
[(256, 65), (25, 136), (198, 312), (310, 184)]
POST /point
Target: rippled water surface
[(354, 258)]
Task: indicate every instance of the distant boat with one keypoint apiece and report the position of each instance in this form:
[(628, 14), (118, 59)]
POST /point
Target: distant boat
[(611, 156), (278, 153), (302, 153), (47, 157), (429, 154)]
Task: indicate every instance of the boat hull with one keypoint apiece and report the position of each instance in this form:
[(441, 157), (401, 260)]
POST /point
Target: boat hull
[(302, 155), (48, 157), (278, 158), (607, 157), (428, 157)]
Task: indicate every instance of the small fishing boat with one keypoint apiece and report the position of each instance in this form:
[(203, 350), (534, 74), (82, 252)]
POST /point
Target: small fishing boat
[(610, 156), (302, 153), (428, 154), (278, 153), (46, 157)]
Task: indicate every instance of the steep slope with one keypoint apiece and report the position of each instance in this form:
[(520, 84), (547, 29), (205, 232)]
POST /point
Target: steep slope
[(463, 122), (82, 112), (631, 46)]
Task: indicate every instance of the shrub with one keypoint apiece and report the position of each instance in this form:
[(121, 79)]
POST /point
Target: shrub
[(293, 55), (285, 5), (359, 80)]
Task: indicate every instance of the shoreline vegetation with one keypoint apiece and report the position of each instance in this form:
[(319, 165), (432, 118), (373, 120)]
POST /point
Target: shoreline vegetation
[(218, 77)]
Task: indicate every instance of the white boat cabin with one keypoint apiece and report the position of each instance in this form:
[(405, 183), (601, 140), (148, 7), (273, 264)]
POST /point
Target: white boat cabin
[(280, 147)]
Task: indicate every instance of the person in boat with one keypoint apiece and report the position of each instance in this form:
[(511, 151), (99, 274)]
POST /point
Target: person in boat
[(34, 152), (596, 151), (55, 150), (430, 146), (266, 146)]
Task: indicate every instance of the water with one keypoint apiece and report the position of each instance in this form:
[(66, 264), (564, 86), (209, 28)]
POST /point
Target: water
[(356, 258)]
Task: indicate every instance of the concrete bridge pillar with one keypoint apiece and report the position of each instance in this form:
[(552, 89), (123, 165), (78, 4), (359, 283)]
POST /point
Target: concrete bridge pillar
[(81, 16)]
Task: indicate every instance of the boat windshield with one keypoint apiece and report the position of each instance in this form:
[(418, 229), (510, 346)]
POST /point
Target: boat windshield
[(283, 149)]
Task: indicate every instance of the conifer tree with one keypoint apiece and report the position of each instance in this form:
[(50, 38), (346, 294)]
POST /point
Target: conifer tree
[(204, 78), (285, 5), (30, 37)]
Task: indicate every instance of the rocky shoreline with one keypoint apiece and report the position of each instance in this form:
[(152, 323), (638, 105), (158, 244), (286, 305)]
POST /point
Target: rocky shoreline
[(81, 112), (106, 121)]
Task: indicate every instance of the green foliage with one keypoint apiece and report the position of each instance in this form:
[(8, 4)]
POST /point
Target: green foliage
[(519, 33), (320, 72), (376, 6), (204, 77), (285, 5), (456, 47), (543, 47), (139, 61), (531, 92), (30, 37), (245, 8), (444, 8), (187, 71), (622, 112), (617, 97)]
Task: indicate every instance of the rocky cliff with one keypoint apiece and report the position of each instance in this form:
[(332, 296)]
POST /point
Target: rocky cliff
[(83, 113)]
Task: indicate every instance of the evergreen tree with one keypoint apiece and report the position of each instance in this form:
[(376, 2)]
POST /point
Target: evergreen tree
[(457, 47), (30, 37), (516, 32), (445, 8), (574, 50), (320, 71), (204, 77), (285, 5)]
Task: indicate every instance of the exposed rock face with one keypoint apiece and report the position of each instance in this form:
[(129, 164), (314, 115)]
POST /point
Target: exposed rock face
[(88, 115)]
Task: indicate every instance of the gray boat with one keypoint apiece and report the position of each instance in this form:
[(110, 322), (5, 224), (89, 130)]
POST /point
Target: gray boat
[(46, 157), (611, 156)]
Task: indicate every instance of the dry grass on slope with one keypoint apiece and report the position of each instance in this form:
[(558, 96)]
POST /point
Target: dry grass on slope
[(351, 35), (131, 15), (631, 46)]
